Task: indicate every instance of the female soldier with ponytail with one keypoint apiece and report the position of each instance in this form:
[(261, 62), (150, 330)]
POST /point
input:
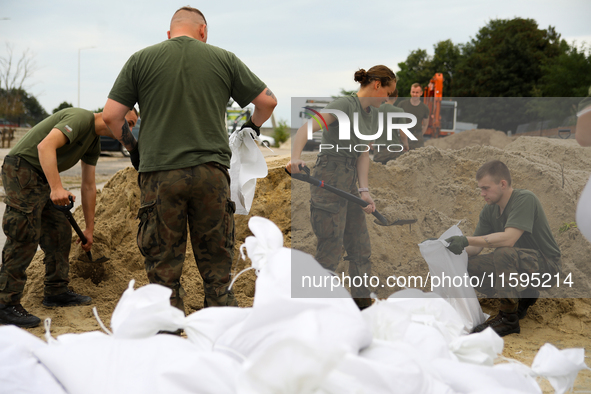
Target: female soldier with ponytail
[(336, 222)]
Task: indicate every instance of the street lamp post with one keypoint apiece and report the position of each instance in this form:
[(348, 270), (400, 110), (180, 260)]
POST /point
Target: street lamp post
[(80, 49)]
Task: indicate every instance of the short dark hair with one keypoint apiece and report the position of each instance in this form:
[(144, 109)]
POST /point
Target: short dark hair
[(193, 10), (496, 169), (416, 85), (394, 93)]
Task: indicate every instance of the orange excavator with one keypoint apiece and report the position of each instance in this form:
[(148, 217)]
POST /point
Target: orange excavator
[(442, 114)]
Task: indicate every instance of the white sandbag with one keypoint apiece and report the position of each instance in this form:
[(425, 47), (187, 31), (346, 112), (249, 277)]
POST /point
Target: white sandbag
[(20, 371), (289, 366), (276, 316), (470, 378), (384, 367), (158, 364), (246, 165), (479, 348), (143, 312), (444, 264), (205, 326), (431, 310), (386, 320), (560, 367)]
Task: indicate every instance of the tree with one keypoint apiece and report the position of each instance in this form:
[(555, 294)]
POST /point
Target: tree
[(416, 68), (420, 67), (505, 59), (15, 103), (569, 74), (63, 105)]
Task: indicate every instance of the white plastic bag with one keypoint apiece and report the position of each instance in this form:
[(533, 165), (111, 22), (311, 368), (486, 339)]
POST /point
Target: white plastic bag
[(247, 164), (143, 312), (457, 291), (560, 367), (20, 370)]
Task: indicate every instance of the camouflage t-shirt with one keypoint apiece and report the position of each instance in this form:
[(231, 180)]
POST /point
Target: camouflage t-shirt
[(523, 211), (77, 125), (182, 86)]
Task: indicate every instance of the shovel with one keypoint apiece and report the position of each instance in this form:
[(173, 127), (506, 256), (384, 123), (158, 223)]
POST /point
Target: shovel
[(381, 220), (98, 270)]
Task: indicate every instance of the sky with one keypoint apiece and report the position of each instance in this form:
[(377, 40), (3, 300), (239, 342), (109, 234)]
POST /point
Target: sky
[(306, 48)]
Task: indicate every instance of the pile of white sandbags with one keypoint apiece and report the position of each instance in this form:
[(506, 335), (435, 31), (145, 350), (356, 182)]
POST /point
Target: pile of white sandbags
[(412, 342)]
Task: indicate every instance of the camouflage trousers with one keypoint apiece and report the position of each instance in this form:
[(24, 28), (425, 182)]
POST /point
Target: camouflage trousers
[(501, 264), (338, 223), (29, 221), (201, 196)]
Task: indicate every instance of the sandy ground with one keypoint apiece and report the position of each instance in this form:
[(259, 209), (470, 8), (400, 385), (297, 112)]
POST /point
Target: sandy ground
[(435, 185)]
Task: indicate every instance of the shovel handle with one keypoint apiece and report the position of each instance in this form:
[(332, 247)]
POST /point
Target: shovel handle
[(66, 210), (347, 196)]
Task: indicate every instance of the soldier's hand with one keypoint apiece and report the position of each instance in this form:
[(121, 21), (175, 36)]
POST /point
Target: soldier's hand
[(293, 166), (89, 240), (61, 197), (367, 198), (457, 243), (251, 125)]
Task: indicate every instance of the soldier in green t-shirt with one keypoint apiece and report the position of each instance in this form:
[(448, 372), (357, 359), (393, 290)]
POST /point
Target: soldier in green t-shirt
[(514, 223), (182, 86), (421, 111), (384, 149), (336, 222), (32, 184)]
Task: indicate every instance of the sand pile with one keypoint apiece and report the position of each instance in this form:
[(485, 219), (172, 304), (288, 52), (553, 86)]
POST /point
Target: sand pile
[(472, 138)]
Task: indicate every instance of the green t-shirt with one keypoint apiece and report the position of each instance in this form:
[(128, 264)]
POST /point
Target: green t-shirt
[(523, 211), (421, 111), (77, 125), (182, 86), (349, 105), (384, 110)]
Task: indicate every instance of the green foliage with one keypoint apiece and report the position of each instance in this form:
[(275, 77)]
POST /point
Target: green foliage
[(420, 67), (506, 58), (417, 68), (566, 227), (20, 107), (63, 105), (569, 74), (281, 133)]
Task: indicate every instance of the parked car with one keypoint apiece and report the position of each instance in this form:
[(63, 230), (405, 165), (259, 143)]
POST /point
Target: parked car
[(109, 144)]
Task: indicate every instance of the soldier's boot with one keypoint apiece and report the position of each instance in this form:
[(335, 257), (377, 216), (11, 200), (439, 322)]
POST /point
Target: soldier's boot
[(363, 303), (67, 298), (18, 316), (526, 299), (506, 322), (220, 296)]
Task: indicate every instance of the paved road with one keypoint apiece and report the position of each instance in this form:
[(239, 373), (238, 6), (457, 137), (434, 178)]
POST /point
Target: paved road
[(107, 166)]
